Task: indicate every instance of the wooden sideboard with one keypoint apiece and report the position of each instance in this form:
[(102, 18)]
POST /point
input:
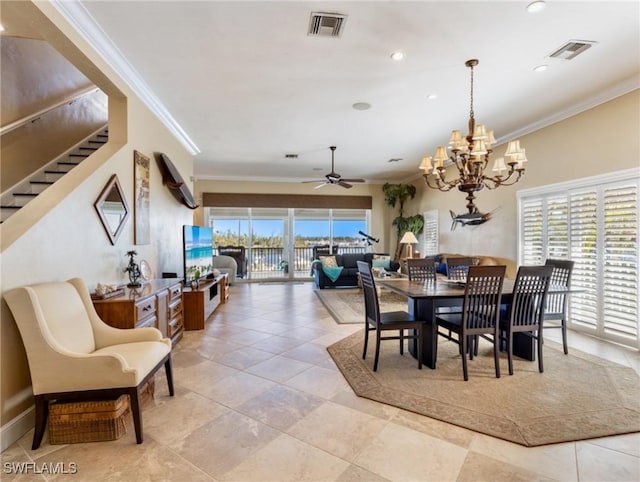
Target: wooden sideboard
[(201, 302), (156, 303)]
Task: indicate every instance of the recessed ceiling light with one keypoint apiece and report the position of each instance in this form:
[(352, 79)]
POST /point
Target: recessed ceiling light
[(540, 68), (536, 6), (397, 55), (432, 96), (361, 106)]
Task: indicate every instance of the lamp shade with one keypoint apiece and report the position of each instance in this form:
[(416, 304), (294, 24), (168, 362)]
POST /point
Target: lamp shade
[(409, 238)]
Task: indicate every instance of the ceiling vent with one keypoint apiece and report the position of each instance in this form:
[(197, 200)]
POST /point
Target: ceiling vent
[(326, 24), (571, 49)]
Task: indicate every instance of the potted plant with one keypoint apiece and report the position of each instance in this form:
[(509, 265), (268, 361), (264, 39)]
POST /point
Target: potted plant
[(400, 193)]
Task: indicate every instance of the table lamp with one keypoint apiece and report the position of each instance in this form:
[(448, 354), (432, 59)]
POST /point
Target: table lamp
[(409, 238)]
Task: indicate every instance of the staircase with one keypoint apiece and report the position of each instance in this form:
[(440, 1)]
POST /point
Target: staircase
[(22, 193)]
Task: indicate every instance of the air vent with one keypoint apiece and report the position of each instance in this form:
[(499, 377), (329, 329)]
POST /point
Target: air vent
[(326, 24), (571, 49), (291, 156)]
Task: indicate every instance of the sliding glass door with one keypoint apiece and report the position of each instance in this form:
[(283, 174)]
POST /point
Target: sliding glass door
[(279, 241)]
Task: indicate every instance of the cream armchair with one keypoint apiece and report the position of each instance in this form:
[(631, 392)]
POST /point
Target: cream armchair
[(74, 355), (226, 264)]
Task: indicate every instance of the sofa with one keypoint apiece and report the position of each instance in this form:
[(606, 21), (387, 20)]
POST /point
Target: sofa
[(321, 269), (441, 260)]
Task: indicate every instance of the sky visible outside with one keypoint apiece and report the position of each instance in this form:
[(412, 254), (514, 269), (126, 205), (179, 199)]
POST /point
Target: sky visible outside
[(304, 228)]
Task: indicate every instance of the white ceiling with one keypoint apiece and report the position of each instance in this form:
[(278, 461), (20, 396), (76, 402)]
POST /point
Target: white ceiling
[(247, 85)]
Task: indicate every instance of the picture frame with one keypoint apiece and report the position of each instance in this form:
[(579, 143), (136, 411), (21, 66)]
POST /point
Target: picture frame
[(141, 211)]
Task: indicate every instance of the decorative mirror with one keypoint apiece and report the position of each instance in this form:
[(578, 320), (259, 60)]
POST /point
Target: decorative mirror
[(112, 208)]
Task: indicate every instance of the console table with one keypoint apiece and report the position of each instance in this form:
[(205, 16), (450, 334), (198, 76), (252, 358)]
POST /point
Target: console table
[(201, 302), (156, 303)]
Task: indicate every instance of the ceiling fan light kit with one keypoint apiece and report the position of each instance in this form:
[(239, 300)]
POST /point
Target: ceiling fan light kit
[(470, 155), (333, 177)]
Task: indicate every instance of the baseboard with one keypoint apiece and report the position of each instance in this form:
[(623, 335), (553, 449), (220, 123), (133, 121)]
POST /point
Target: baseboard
[(15, 428)]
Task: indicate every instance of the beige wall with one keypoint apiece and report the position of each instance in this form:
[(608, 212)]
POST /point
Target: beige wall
[(381, 216), (70, 241), (601, 140)]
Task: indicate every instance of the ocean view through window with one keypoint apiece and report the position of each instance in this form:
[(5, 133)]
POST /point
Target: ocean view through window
[(280, 241)]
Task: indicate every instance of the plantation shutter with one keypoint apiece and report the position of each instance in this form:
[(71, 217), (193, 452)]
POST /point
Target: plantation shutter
[(596, 223), (557, 227), (584, 251), (430, 233), (532, 232), (620, 277)]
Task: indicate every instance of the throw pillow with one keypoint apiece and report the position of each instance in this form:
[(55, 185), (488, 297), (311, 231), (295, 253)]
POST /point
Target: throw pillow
[(332, 272), (328, 261), (381, 261)]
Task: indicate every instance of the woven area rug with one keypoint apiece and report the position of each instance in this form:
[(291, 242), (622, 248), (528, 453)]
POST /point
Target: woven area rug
[(346, 305), (578, 396)]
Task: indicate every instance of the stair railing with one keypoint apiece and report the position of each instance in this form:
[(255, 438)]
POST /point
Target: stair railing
[(33, 117)]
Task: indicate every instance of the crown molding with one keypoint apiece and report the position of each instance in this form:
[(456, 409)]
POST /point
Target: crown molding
[(83, 22), (617, 90)]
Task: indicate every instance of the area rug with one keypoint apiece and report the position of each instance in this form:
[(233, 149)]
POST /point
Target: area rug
[(578, 396), (346, 305)]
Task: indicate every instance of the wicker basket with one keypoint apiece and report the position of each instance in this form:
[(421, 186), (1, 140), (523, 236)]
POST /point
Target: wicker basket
[(88, 421)]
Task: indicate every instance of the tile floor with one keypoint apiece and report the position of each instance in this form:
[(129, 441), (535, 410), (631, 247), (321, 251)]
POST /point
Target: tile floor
[(259, 399)]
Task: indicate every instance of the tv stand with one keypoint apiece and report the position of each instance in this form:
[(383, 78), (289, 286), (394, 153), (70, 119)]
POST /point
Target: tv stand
[(201, 302)]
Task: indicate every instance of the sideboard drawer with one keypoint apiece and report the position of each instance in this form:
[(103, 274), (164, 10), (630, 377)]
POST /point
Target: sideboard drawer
[(144, 309), (175, 308), (150, 321)]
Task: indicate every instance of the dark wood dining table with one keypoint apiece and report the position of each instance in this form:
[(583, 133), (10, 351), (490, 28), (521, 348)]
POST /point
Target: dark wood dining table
[(425, 297)]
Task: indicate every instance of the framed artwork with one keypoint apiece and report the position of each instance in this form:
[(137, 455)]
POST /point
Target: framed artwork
[(141, 215)]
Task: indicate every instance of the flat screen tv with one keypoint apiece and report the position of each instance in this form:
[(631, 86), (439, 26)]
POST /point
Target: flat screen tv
[(198, 252)]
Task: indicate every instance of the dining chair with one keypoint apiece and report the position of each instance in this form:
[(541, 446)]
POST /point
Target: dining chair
[(458, 267), (526, 312), (421, 269), (386, 321), (480, 314), (556, 308)]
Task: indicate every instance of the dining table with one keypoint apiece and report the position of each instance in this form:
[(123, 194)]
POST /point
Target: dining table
[(425, 297)]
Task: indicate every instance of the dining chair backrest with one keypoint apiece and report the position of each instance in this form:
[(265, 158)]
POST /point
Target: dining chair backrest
[(560, 278), (421, 269), (371, 303), (458, 267), (482, 297), (529, 296)]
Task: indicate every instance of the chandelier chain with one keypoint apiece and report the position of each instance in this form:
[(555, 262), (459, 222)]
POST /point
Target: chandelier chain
[(471, 96)]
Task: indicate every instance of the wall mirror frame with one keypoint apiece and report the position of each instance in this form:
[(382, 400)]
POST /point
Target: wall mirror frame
[(112, 208)]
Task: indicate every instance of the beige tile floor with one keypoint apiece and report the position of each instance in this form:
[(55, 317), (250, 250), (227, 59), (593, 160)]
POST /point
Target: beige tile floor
[(259, 399)]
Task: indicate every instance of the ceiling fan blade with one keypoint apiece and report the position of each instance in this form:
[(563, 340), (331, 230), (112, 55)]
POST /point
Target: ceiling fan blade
[(353, 180), (320, 185), (344, 184), (316, 180)]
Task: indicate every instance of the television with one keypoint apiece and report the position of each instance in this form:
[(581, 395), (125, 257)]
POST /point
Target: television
[(198, 252)]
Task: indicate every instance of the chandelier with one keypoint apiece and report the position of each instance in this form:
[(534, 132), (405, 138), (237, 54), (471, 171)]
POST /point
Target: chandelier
[(470, 155)]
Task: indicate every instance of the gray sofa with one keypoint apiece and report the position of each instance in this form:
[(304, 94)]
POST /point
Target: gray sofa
[(349, 275)]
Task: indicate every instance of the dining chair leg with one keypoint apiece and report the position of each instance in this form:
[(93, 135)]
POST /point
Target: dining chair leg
[(402, 342), (510, 351), (375, 360), (421, 328), (465, 349), (496, 355), (366, 340), (539, 340), (564, 336)]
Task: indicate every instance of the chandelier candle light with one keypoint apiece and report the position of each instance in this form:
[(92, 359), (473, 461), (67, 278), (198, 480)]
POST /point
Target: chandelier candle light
[(470, 155)]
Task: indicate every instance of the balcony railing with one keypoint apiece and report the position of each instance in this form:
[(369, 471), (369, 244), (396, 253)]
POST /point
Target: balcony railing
[(272, 262)]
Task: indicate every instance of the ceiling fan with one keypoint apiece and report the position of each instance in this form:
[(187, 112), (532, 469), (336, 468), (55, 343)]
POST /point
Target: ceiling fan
[(333, 177)]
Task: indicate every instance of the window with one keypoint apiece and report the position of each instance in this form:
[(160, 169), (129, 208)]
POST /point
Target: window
[(430, 233), (594, 222)]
